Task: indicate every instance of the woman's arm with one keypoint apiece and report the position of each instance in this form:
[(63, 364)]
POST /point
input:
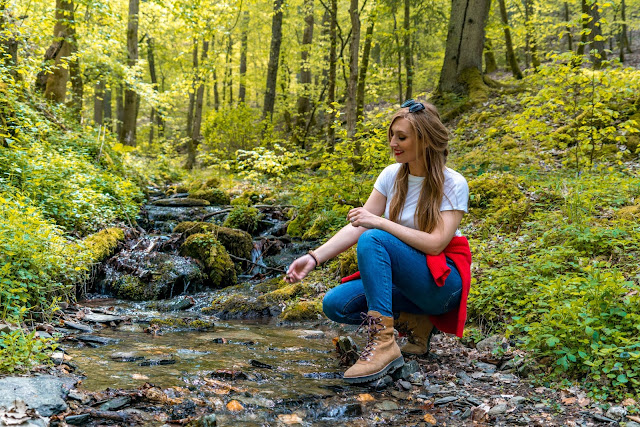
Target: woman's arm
[(346, 237), (430, 243)]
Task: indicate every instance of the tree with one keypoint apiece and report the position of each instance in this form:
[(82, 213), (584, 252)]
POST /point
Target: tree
[(353, 69), (243, 57), (511, 56), (598, 53), (194, 140), (363, 68), (304, 101), (531, 41), (490, 64), (465, 40), (331, 75), (130, 108), (408, 54), (274, 59)]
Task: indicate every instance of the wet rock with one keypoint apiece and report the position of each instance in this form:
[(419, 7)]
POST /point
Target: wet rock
[(218, 264), (257, 401), (7, 327), (323, 375), (204, 421), (480, 413), (94, 339), (382, 383), (417, 378), (463, 377), (342, 411), (632, 424), (386, 405), (485, 367), (227, 374), (157, 362), (45, 394), (115, 404), (602, 418), (219, 341), (259, 364), (79, 396), (181, 202), (125, 356), (498, 410), (180, 305), (78, 420), (43, 335), (405, 384), (311, 335), (491, 343), (445, 400), (183, 410), (473, 401), (78, 326), (616, 412), (57, 357), (517, 400), (433, 388), (102, 318), (406, 370)]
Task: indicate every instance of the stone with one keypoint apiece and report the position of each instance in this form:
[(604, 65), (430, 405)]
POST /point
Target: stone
[(94, 339), (102, 318), (474, 401), (382, 383), (517, 400), (115, 404), (43, 335), (486, 367), (602, 418), (616, 412), (463, 377), (259, 364), (57, 357), (490, 344), (181, 202), (406, 370), (126, 356), (445, 400), (204, 421), (79, 396), (405, 384), (498, 409), (78, 326), (433, 388), (631, 424), (311, 334), (45, 393), (78, 420), (417, 378), (387, 405)]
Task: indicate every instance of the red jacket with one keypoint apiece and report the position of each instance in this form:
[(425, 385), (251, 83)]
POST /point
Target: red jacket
[(459, 252)]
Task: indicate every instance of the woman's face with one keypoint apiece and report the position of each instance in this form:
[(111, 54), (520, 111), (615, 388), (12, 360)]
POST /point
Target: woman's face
[(404, 146)]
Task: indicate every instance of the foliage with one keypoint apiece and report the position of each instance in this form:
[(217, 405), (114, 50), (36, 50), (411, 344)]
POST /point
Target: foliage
[(20, 351), (243, 218), (206, 248)]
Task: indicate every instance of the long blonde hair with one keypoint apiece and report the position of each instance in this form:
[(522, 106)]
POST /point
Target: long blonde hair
[(432, 139)]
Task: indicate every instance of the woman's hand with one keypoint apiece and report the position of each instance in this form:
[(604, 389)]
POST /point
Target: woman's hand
[(362, 217), (299, 268)]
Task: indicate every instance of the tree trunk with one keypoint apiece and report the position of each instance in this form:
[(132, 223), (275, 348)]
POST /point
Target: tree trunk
[(595, 36), (465, 41), (532, 43), (53, 79), (244, 42), (353, 69), (228, 79), (98, 102), (585, 28), (568, 27), (106, 107), (511, 56), (363, 69), (490, 64), (216, 93), (130, 96), (399, 52), (154, 118), (624, 39), (119, 110), (274, 60), (194, 141), (331, 83), (192, 91), (304, 100), (9, 55), (408, 54)]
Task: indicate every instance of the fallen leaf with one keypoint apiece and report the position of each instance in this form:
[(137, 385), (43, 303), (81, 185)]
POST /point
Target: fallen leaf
[(629, 402), (568, 400), (365, 397), (583, 401), (428, 418), (139, 377), (235, 406), (634, 418), (290, 419)]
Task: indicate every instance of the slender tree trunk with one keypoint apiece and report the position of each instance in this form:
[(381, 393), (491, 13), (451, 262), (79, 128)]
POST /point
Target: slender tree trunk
[(274, 60), (595, 36), (532, 43), (194, 141), (585, 28), (399, 52), (77, 85), (490, 64), (119, 110), (511, 56), (465, 41), (53, 79), (568, 27), (304, 98), (192, 92), (216, 93), (98, 102), (331, 83), (228, 75), (353, 69), (408, 54), (106, 103), (155, 116), (8, 41), (243, 57), (363, 69), (130, 97), (624, 39)]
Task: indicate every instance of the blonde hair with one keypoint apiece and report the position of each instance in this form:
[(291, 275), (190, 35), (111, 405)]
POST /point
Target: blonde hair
[(432, 139)]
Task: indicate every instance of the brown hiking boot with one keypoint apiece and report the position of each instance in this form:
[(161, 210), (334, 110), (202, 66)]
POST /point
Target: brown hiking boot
[(381, 355), (419, 330)]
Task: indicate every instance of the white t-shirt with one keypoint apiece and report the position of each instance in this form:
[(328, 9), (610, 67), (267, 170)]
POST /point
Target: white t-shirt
[(456, 193)]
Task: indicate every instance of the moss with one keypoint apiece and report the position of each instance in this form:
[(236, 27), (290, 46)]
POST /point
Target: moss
[(302, 310), (214, 196), (478, 90), (179, 188), (498, 200), (238, 306), (630, 213), (348, 262), (183, 323), (269, 285), (131, 288), (236, 242), (243, 218), (283, 294), (211, 252), (633, 142), (241, 201), (103, 243), (508, 142)]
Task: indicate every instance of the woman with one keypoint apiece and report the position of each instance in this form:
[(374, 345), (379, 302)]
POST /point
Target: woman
[(414, 264)]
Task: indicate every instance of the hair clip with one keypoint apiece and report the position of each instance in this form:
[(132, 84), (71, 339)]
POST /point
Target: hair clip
[(414, 106)]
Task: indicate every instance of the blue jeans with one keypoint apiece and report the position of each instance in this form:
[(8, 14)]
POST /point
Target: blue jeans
[(394, 278)]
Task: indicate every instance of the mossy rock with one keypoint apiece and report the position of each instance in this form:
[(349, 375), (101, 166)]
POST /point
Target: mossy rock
[(269, 285), (243, 218), (206, 248), (241, 201), (630, 213), (237, 242), (103, 243), (179, 188), (302, 310), (478, 90), (132, 288), (241, 307), (203, 184), (348, 262), (182, 202), (214, 196), (283, 294), (633, 142), (183, 323)]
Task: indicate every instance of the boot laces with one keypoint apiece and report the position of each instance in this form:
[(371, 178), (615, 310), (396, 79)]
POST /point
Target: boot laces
[(373, 325)]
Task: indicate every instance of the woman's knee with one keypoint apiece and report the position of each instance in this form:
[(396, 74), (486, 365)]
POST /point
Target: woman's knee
[(371, 238), (332, 305)]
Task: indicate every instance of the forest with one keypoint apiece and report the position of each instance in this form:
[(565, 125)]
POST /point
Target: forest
[(135, 135)]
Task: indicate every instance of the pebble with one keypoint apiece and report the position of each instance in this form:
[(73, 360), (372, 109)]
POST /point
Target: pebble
[(115, 404), (445, 400), (433, 389), (406, 370), (405, 384), (517, 400), (381, 383), (486, 367), (311, 334), (78, 420), (417, 378), (259, 364), (463, 377), (490, 344), (498, 409), (474, 401), (616, 412), (79, 396), (78, 326), (602, 418), (386, 405)]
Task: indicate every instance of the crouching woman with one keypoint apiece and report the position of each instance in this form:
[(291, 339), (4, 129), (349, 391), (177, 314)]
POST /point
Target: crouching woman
[(414, 263)]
